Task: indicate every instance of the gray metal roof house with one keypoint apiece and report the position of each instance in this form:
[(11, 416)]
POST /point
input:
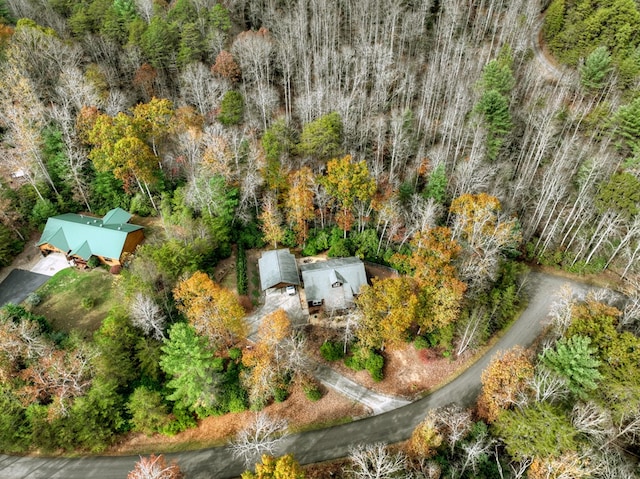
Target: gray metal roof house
[(278, 269), (333, 282)]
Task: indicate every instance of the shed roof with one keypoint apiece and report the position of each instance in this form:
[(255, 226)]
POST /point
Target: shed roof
[(335, 281), (84, 236), (277, 267)]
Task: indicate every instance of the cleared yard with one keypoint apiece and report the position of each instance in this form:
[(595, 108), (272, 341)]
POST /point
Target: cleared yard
[(75, 300)]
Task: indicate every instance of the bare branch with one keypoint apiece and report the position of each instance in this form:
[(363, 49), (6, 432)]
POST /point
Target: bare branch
[(262, 436), (147, 315), (374, 461)]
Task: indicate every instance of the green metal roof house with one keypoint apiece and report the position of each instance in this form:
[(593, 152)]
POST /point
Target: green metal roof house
[(80, 236)]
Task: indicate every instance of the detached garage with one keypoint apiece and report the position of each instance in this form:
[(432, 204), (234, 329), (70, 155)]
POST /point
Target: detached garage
[(278, 269)]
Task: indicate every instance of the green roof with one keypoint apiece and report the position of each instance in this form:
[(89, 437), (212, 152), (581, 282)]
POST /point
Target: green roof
[(116, 216), (84, 251), (84, 236), (56, 237)]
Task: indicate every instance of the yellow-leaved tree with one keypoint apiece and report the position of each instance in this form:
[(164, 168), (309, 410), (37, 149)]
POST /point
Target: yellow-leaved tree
[(388, 309), (268, 361), (299, 202), (283, 467), (350, 183), (437, 287)]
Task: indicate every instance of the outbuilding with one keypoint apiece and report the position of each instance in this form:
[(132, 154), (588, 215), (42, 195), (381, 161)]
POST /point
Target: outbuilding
[(278, 269)]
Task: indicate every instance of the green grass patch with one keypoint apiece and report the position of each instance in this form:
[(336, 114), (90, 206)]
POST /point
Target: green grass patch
[(74, 300)]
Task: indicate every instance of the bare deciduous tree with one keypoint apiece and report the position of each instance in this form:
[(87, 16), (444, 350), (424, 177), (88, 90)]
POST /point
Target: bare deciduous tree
[(456, 423), (155, 467), (547, 385), (375, 461), (593, 421), (474, 451), (262, 436), (561, 310), (147, 315)]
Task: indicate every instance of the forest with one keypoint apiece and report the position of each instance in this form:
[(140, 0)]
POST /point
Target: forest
[(422, 135)]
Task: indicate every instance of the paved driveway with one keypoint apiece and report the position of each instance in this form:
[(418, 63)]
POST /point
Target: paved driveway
[(19, 284), (277, 299)]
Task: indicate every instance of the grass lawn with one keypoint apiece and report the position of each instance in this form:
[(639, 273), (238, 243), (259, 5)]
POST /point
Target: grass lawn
[(66, 299)]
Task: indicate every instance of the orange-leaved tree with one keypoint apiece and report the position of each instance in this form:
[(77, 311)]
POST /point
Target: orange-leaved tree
[(438, 289), (504, 379), (268, 361), (214, 311)]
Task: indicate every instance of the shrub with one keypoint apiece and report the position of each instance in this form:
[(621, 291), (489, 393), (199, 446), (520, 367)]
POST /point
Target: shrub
[(442, 337), (374, 364), (281, 394), (148, 412), (42, 211), (33, 300), (237, 404), (140, 205), (289, 239), (183, 421), (88, 302), (312, 392), (241, 270), (317, 242), (235, 353), (581, 267), (93, 262), (249, 235), (366, 359), (331, 351), (421, 343), (9, 245), (355, 361)]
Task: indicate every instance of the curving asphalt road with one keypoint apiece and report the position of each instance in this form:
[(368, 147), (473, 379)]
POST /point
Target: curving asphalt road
[(324, 444)]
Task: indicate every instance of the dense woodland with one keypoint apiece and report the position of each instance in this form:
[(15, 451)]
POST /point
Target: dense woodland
[(419, 134)]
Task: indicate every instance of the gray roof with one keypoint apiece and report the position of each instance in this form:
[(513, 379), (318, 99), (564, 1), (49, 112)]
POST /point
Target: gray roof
[(335, 281), (277, 267)]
